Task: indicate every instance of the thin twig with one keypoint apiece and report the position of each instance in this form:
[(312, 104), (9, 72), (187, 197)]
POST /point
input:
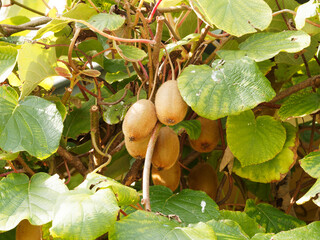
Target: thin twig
[(294, 13), (25, 166), (73, 42), (73, 160), (26, 7), (313, 81)]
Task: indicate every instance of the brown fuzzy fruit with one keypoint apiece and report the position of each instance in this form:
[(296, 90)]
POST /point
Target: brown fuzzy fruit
[(137, 149), (209, 136), (170, 107), (169, 178), (139, 120), (204, 178), (166, 150), (26, 231)]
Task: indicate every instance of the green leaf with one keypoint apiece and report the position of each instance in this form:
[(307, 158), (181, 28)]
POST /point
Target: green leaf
[(311, 164), (80, 11), (35, 64), (125, 195), (115, 77), (263, 46), (275, 169), (312, 193), (234, 16), (192, 127), (8, 156), (84, 213), (254, 141), (272, 219), (145, 225), (230, 87), (33, 125), (107, 21), (130, 53), (262, 236), (305, 11), (228, 229), (249, 226), (310, 232), (113, 114), (191, 206), (78, 121), (16, 10), (32, 199), (8, 58), (300, 104)]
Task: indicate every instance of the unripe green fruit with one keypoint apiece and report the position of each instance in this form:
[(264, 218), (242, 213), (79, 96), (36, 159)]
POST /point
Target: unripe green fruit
[(204, 178), (139, 120), (170, 107), (169, 178), (166, 150), (137, 149), (209, 136), (26, 231)]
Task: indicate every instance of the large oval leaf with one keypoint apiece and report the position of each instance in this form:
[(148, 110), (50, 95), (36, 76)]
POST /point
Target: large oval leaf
[(254, 141), (276, 168), (300, 104), (33, 125), (229, 88), (272, 219), (8, 57), (191, 206), (263, 46), (130, 53), (33, 199), (84, 214), (237, 17), (145, 225)]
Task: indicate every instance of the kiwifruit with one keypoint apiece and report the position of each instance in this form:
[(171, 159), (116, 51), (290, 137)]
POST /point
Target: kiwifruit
[(26, 231), (169, 178), (166, 150), (204, 178), (139, 120), (137, 149), (209, 136), (170, 107)]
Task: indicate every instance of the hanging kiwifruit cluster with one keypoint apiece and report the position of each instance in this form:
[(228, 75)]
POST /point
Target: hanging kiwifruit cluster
[(169, 109)]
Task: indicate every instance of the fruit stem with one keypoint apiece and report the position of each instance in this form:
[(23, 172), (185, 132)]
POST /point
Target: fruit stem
[(146, 169)]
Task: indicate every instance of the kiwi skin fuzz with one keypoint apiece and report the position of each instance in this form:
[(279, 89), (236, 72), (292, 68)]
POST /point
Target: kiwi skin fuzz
[(139, 120), (26, 231), (137, 149), (166, 150), (170, 106), (169, 178), (204, 178), (209, 136)]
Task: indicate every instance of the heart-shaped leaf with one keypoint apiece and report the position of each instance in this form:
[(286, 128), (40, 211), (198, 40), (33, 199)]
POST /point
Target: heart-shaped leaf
[(300, 104), (153, 226), (199, 207), (105, 20), (254, 141), (8, 57), (230, 87), (275, 169), (272, 219), (33, 125), (130, 53), (263, 46), (234, 16), (32, 199), (35, 64)]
